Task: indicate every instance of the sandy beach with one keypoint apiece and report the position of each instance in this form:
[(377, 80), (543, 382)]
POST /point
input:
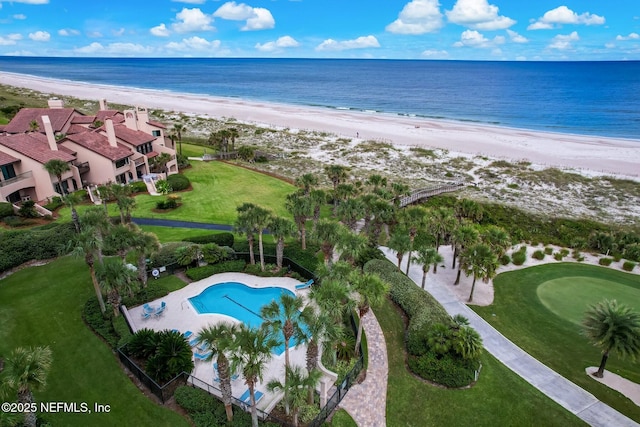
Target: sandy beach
[(606, 155)]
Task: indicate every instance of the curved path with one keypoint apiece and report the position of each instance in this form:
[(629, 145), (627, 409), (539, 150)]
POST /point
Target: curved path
[(181, 224), (571, 397), (367, 402)]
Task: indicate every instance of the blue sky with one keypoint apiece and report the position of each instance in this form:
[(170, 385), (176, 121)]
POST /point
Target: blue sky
[(395, 29)]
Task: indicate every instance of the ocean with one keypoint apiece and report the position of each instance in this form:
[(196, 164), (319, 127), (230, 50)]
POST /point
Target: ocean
[(589, 98)]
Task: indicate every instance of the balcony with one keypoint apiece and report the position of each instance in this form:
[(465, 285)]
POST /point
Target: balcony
[(83, 167), (139, 162), (18, 182)]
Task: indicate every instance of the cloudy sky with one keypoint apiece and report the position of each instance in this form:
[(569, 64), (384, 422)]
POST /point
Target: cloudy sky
[(417, 29)]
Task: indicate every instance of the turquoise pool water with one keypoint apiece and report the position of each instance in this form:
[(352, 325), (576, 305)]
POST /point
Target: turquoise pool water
[(240, 302)]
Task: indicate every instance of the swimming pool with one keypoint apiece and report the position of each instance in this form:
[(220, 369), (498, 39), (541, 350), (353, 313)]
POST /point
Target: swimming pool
[(239, 301)]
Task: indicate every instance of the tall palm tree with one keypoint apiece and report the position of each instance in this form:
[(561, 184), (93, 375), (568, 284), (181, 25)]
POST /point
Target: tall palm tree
[(306, 182), (376, 181), (400, 243), (480, 261), (119, 240), (245, 224), (144, 245), (427, 257), (124, 201), (252, 353), (88, 244), (612, 327), (233, 134), (318, 199), (219, 339), (115, 278), (72, 200), (413, 219), (176, 132), (295, 386), (25, 372), (280, 229), (301, 209), (262, 218), (328, 233), (369, 290), (463, 236), (468, 209), (384, 214), (336, 174), (441, 224), (497, 239), (351, 245), (58, 168), (350, 211)]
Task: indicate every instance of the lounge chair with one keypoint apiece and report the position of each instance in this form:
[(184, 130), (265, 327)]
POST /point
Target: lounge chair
[(194, 342), (145, 315), (216, 377), (148, 309), (160, 309), (304, 285), (201, 356), (187, 334), (246, 396)]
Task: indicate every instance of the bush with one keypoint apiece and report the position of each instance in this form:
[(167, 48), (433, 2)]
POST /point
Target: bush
[(628, 265), (167, 254), (54, 204), (47, 242), (205, 410), (548, 251), (539, 255), (200, 273), (122, 330), (519, 257), (605, 261), (558, 256), (147, 294), (168, 203), (178, 182), (138, 187), (220, 239), (28, 210), (193, 399), (6, 209), (212, 253), (446, 369), (99, 322), (505, 259)]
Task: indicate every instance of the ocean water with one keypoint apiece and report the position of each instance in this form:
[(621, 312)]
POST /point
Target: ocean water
[(591, 98)]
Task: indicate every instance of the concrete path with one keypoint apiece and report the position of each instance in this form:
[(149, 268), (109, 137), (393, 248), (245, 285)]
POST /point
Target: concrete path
[(573, 398), (367, 402)]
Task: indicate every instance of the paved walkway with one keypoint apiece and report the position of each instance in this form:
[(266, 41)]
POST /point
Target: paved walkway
[(367, 402), (573, 398)]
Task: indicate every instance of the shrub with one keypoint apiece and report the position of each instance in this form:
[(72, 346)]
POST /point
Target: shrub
[(138, 187), (54, 204), (446, 369), (220, 239), (13, 221), (558, 256), (505, 259), (122, 330), (147, 294), (212, 253), (47, 242), (193, 399), (564, 252), (539, 255), (99, 322), (605, 261), (519, 257), (167, 254), (28, 210), (628, 265), (548, 251), (178, 182), (200, 273), (168, 203), (6, 209)]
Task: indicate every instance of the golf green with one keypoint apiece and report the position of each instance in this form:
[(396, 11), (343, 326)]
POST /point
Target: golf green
[(569, 297)]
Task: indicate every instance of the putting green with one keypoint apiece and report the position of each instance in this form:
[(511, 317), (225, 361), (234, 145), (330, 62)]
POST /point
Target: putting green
[(569, 297)]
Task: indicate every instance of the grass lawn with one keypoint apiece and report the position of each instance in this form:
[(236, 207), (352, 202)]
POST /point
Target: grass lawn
[(176, 234), (341, 418), (556, 341), (42, 306), (500, 397)]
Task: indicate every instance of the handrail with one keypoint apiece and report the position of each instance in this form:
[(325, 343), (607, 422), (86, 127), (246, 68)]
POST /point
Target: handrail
[(424, 193), (19, 177)]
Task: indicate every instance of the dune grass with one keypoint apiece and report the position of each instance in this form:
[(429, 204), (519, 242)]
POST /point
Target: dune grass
[(42, 306), (518, 313), (500, 397)]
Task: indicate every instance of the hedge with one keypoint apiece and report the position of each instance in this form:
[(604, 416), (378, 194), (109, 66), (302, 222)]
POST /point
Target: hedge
[(167, 254), (605, 261), (100, 323), (628, 265), (220, 239), (200, 273), (6, 209), (444, 369), (178, 182)]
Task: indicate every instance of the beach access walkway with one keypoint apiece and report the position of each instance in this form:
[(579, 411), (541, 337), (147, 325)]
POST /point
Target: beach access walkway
[(568, 395)]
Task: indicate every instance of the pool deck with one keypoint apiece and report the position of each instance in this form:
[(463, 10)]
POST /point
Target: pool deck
[(181, 315)]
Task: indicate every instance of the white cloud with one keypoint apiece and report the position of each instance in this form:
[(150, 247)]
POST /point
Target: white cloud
[(118, 33), (282, 43), (359, 43), (10, 39), (554, 18), (479, 15), (190, 20), (517, 38), (563, 42), (609, 45), (472, 38), (160, 31), (193, 44), (94, 34), (19, 16), (40, 36), (434, 53), (18, 52), (66, 32), (26, 1), (417, 17), (631, 36), (127, 49), (257, 18)]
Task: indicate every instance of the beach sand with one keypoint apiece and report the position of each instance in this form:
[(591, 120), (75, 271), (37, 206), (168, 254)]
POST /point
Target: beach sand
[(599, 154)]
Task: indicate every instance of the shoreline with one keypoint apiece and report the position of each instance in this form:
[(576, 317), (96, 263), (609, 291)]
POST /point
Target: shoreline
[(607, 155)]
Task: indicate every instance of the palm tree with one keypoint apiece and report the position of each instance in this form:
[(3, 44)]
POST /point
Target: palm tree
[(176, 132), (124, 201), (384, 214), (220, 340), (463, 236), (468, 209), (467, 342), (58, 167), (87, 243), (318, 199), (160, 161), (351, 245), (233, 134), (115, 277), (369, 290), (400, 243), (104, 192), (413, 218), (497, 239), (25, 372), (427, 257), (253, 219), (441, 223), (336, 174), (245, 224), (144, 244), (399, 190), (480, 261), (301, 209), (306, 182), (350, 211), (295, 386), (376, 181), (262, 218), (72, 200), (119, 240), (328, 233), (252, 353), (612, 327), (280, 228)]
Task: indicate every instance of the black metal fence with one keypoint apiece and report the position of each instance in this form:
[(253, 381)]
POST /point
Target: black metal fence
[(287, 263), (164, 392)]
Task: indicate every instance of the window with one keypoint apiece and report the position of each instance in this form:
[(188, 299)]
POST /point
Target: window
[(121, 179), (156, 133), (8, 172), (120, 163), (144, 148)]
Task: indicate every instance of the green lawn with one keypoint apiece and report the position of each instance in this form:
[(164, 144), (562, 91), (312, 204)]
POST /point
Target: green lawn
[(500, 398), (556, 341), (176, 234), (42, 306)]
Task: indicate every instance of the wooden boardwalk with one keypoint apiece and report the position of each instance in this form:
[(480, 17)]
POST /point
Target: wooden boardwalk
[(425, 193)]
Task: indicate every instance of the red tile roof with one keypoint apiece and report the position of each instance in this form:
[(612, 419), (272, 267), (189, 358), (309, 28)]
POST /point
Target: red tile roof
[(115, 115), (151, 154), (21, 122), (157, 124), (34, 145), (75, 128), (6, 159), (133, 137), (85, 120), (98, 143)]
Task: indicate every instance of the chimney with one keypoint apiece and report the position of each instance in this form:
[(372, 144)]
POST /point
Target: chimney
[(143, 119), (111, 132), (130, 119), (48, 130), (56, 103), (103, 104)]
